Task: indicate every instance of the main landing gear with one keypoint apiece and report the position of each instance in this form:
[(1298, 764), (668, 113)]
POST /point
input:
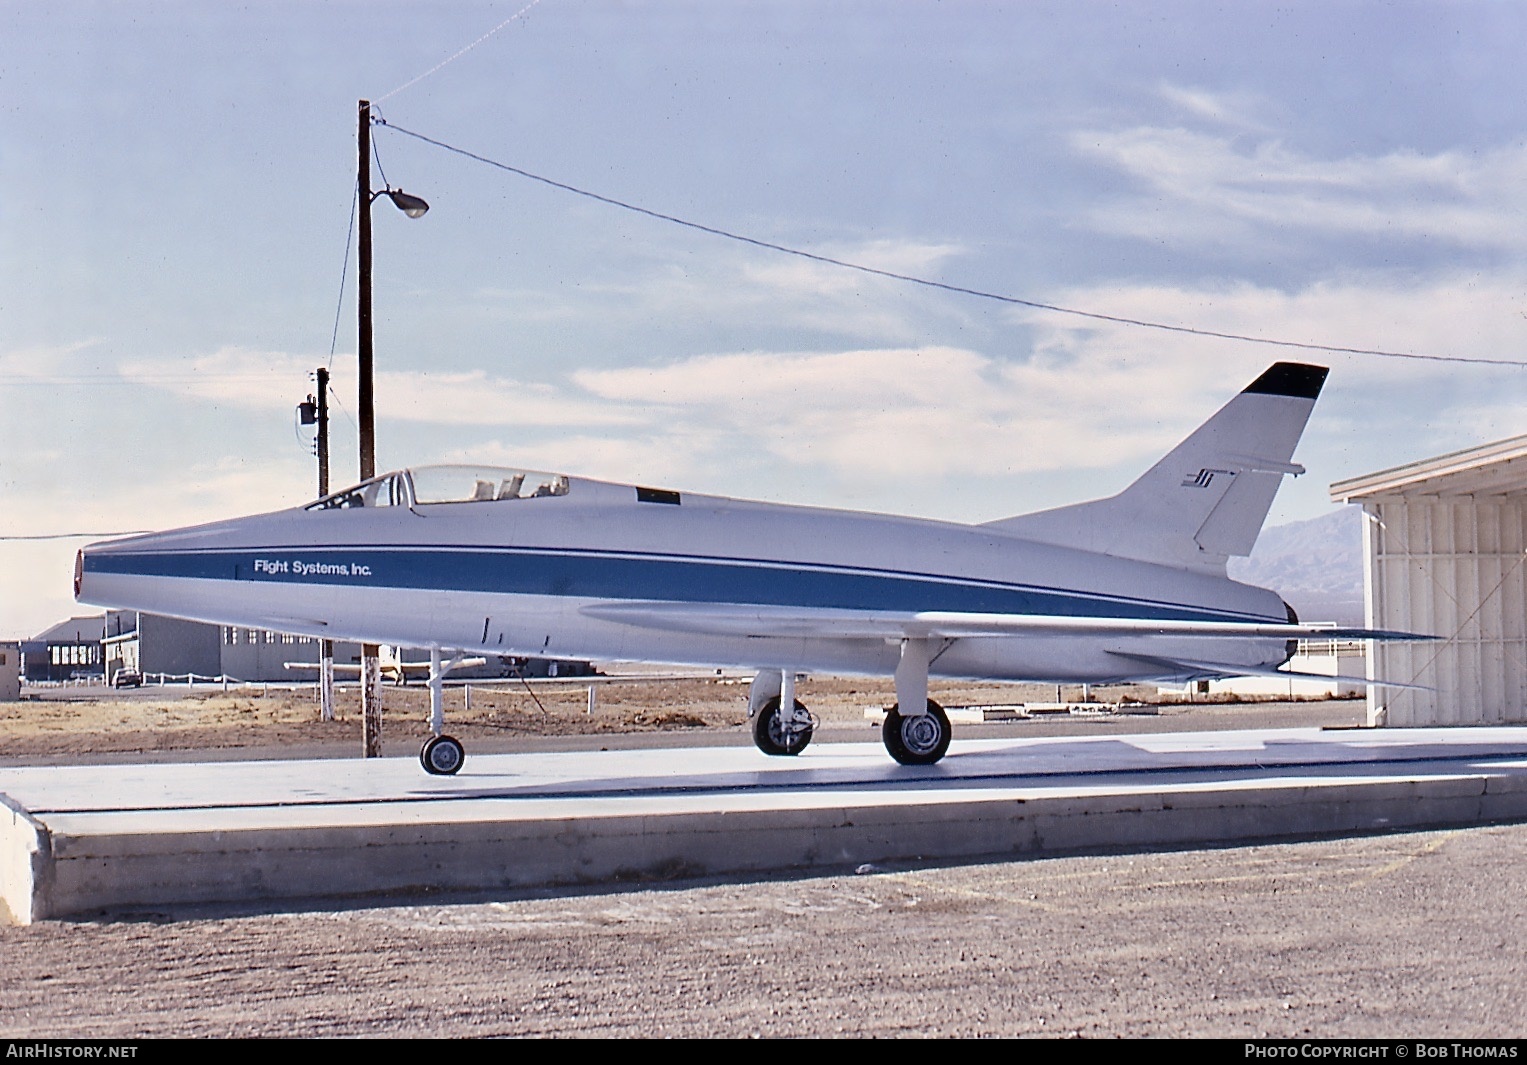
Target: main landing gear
[(441, 755), (920, 736), (916, 740), (914, 737)]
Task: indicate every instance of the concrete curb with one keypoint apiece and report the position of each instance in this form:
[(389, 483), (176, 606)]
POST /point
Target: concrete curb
[(53, 872)]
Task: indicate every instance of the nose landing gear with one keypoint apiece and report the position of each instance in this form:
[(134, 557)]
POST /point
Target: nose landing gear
[(774, 734), (442, 756)]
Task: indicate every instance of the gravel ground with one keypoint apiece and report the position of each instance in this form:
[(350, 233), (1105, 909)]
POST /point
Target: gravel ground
[(1405, 935), (1414, 935)]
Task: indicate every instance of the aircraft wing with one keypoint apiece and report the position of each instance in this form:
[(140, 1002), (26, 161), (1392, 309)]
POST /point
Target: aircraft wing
[(781, 621), (313, 667)]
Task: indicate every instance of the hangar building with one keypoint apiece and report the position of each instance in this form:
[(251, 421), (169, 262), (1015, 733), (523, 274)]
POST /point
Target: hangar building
[(1445, 540)]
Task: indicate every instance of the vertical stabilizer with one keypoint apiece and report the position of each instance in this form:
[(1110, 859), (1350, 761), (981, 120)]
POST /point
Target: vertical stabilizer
[(1207, 499)]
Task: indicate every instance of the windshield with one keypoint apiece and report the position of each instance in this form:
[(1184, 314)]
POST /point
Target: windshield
[(387, 490), (428, 485)]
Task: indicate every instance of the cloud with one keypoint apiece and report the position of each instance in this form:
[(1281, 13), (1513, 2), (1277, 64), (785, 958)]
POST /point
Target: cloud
[(231, 376), (1093, 396), (884, 414), (1228, 109), (1459, 314), (475, 398), (55, 364), (264, 380), (748, 289), (1197, 183)]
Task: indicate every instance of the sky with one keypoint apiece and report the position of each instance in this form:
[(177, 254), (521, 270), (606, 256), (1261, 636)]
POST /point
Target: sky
[(177, 185)]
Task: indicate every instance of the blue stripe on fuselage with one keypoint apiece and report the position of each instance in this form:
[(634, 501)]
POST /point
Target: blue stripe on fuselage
[(594, 575)]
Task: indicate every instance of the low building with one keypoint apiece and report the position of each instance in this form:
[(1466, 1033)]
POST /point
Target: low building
[(1444, 545), (70, 650), (156, 646), (150, 644), (10, 672), (162, 648)]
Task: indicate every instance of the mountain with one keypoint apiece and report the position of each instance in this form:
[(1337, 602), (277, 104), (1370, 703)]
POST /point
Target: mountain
[(1316, 565)]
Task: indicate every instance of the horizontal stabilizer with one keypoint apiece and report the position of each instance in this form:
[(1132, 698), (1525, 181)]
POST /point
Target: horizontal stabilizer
[(1191, 670), (1207, 499)]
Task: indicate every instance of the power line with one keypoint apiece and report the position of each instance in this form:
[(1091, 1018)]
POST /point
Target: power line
[(944, 286), (77, 535), (344, 271), (446, 62), (132, 379)]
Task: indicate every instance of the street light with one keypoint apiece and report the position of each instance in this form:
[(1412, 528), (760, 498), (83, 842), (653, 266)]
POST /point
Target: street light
[(413, 207)]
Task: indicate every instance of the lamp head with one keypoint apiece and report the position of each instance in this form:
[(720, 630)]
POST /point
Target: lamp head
[(412, 206)]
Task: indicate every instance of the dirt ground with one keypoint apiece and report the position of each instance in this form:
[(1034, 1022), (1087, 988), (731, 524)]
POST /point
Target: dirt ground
[(1405, 936), (81, 724)]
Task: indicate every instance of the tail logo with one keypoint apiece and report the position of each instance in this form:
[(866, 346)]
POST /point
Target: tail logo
[(1203, 478)]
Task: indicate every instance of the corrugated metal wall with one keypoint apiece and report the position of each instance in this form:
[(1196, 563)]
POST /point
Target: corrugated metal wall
[(1453, 568)]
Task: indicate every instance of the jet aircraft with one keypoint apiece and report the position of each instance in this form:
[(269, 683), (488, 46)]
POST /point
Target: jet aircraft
[(466, 560)]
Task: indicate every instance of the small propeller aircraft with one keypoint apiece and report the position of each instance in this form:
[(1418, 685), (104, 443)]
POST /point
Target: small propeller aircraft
[(466, 560), (389, 665)]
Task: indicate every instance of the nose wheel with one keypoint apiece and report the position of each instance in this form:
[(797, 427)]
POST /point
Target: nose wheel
[(773, 734), (442, 756), (919, 739)]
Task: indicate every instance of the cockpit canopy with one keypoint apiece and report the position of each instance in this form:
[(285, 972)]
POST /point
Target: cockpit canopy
[(429, 485)]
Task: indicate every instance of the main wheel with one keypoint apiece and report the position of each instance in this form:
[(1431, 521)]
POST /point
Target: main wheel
[(442, 756), (920, 740), (773, 737)]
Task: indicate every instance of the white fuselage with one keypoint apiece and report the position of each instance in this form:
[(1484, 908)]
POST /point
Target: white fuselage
[(525, 576)]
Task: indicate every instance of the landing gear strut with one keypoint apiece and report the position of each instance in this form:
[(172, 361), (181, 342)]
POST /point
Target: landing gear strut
[(441, 755), (920, 736)]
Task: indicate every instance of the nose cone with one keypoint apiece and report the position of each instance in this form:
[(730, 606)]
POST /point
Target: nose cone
[(105, 572), (146, 572)]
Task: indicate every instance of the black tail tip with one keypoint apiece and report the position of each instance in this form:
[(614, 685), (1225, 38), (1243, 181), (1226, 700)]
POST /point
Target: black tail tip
[(1297, 379)]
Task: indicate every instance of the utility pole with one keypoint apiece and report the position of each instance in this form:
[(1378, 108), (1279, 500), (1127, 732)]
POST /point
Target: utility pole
[(371, 674), (321, 405), (413, 207), (325, 647), (316, 409)]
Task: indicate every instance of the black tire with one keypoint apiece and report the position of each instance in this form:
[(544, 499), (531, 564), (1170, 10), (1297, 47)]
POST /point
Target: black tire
[(442, 756), (768, 736), (919, 740)]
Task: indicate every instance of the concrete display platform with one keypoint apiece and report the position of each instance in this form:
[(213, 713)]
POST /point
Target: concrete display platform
[(77, 840)]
